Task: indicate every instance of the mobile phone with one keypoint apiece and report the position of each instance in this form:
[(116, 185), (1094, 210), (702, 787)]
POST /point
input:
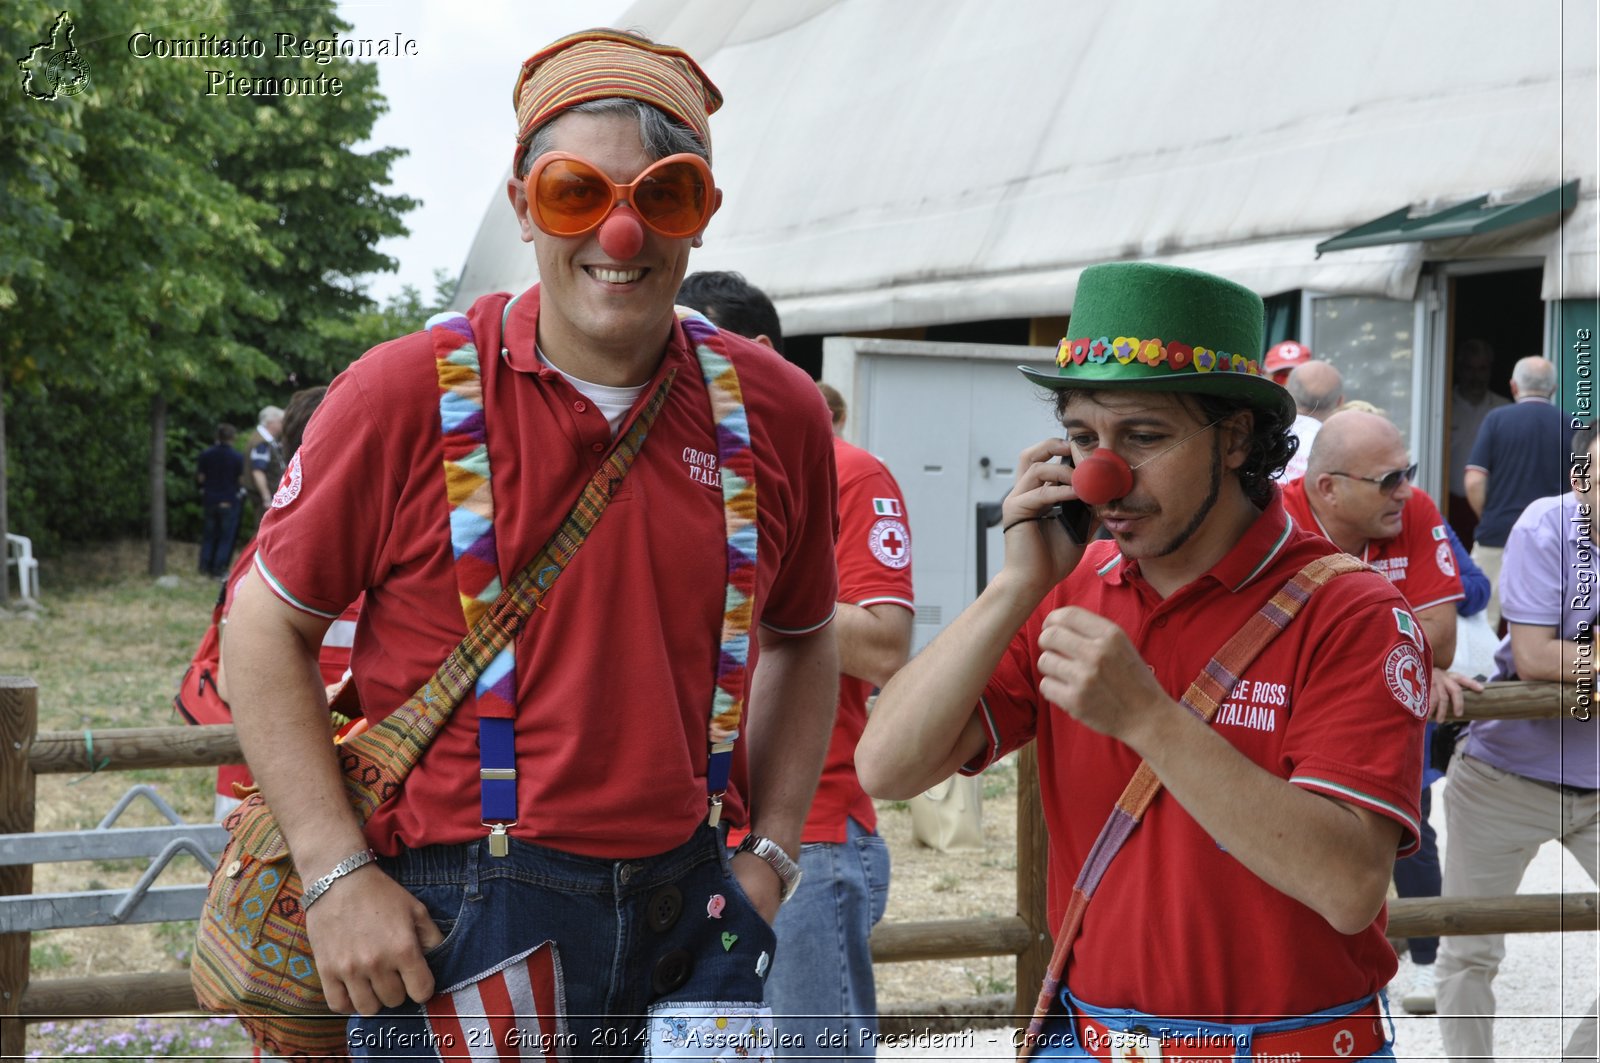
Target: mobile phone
[(1075, 516)]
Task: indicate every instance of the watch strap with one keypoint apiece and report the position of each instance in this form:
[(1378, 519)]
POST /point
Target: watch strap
[(787, 870)]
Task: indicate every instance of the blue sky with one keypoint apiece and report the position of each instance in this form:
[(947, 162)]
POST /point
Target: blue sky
[(450, 104)]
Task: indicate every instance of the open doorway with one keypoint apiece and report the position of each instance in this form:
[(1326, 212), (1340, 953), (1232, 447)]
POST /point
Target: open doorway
[(1495, 319)]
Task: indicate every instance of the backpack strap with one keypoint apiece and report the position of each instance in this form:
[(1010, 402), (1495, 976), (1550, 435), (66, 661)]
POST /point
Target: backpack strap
[(1203, 698)]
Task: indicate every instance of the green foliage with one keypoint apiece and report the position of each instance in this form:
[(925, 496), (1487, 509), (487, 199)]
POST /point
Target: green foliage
[(41, 144), (45, 956), (155, 240)]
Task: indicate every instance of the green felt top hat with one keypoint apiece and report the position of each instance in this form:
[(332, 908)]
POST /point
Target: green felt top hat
[(1136, 326)]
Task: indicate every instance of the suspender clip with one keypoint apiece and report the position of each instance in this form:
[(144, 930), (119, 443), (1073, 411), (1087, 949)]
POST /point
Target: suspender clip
[(499, 840), (714, 811)]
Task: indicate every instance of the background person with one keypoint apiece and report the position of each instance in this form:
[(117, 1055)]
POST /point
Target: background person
[(1519, 455), (1517, 784), (266, 456), (1256, 881), (821, 990), (202, 696), (217, 471), (1358, 493), (1470, 402), (605, 862), (1317, 390)]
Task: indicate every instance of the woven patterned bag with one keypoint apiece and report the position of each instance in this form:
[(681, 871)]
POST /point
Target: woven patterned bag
[(252, 956)]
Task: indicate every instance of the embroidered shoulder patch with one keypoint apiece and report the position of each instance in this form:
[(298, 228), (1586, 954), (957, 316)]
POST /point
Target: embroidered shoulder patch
[(1446, 558), (1407, 625), (1439, 533), (1408, 684), (890, 542), (289, 486)]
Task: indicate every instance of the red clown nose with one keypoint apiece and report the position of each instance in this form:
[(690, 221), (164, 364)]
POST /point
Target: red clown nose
[(621, 235), (1101, 477)]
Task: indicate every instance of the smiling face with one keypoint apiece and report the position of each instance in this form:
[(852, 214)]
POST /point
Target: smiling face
[(1185, 506), (602, 317)]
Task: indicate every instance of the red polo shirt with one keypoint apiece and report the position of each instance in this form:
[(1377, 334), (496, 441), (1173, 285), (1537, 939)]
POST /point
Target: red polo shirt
[(874, 556), (615, 674), (1335, 704), (1419, 561)]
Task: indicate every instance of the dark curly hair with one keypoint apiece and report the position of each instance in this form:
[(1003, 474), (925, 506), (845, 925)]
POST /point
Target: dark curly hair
[(1272, 443)]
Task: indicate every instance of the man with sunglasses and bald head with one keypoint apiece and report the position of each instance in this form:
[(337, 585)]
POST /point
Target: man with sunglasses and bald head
[(1358, 492), (559, 839)]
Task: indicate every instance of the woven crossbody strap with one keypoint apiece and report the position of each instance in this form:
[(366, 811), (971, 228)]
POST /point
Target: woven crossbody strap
[(1203, 698), (377, 761)]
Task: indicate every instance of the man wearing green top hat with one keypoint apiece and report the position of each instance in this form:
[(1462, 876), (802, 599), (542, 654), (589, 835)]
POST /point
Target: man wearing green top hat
[(1241, 911)]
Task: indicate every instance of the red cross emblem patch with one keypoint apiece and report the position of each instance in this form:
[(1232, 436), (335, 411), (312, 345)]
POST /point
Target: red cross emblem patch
[(890, 542)]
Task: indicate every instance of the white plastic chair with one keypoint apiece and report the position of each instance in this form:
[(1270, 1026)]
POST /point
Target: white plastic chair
[(19, 555)]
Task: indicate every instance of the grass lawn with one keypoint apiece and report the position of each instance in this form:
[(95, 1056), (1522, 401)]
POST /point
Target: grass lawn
[(107, 648)]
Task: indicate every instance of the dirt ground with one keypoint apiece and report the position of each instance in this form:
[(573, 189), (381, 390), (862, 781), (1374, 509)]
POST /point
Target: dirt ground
[(927, 884)]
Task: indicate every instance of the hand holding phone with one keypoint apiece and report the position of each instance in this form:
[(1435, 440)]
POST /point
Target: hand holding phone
[(1074, 515)]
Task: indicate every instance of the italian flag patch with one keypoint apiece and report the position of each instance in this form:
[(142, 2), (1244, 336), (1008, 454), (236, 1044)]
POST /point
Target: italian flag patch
[(886, 507), (1407, 625)]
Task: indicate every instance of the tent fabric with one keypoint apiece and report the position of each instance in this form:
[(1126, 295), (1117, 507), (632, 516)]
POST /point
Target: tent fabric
[(893, 164)]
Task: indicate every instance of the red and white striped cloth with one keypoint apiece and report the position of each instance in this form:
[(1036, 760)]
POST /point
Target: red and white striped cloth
[(514, 1011)]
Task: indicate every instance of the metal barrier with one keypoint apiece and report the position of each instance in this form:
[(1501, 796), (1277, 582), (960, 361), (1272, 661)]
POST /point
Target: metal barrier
[(25, 753)]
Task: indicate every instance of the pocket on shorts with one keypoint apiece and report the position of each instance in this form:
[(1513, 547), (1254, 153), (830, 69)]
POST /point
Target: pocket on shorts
[(447, 908), (735, 890), (517, 1008)]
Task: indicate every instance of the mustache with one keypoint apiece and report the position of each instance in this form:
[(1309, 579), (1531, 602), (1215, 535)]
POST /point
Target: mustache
[(1124, 508)]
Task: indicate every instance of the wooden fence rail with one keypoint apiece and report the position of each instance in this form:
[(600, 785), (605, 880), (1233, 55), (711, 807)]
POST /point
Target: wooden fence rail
[(26, 753)]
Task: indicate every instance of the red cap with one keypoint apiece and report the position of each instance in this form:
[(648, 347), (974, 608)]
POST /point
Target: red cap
[(1285, 356)]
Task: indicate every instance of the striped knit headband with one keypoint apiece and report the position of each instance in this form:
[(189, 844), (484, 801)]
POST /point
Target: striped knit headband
[(600, 64)]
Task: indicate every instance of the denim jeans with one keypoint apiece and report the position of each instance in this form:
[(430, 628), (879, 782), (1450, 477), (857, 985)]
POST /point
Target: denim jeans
[(630, 936), (821, 990), (1060, 1040), (220, 527)]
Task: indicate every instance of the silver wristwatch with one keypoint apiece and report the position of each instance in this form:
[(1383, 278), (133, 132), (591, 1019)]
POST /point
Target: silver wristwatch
[(770, 851), (350, 863)]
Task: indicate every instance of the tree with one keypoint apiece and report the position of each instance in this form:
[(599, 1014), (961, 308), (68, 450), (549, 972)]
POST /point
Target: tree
[(40, 147), (188, 248)]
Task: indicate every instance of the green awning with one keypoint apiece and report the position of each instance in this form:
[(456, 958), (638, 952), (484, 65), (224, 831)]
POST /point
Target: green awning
[(1463, 219)]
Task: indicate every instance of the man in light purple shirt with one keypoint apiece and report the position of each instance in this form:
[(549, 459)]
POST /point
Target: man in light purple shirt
[(1520, 783)]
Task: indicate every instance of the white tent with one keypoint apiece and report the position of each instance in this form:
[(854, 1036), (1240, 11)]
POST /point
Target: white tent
[(894, 163)]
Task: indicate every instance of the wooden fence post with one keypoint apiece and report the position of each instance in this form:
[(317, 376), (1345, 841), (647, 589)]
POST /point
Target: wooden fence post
[(19, 720), (1033, 847)]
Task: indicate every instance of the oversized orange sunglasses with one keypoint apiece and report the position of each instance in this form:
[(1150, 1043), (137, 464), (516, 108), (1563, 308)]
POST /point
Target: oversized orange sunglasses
[(570, 196)]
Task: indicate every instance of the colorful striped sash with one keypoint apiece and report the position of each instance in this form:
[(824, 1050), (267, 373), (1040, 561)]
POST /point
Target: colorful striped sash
[(1203, 698)]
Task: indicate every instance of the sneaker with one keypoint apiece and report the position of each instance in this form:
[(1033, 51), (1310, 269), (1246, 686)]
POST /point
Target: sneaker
[(1419, 998)]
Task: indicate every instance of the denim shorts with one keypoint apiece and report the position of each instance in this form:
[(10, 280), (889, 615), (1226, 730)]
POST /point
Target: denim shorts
[(635, 940)]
